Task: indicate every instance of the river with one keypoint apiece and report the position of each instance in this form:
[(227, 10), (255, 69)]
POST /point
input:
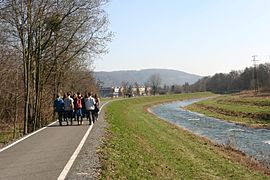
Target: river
[(253, 142)]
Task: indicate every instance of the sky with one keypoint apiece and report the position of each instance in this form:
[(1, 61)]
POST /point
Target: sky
[(201, 37)]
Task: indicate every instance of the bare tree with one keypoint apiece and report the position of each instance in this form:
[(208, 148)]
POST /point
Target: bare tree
[(137, 87), (124, 86), (154, 82), (10, 88), (54, 38)]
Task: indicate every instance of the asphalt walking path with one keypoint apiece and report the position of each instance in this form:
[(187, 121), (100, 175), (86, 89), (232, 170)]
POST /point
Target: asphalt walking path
[(45, 154)]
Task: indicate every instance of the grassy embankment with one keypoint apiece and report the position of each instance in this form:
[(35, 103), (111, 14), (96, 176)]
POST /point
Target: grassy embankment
[(141, 146), (250, 111)]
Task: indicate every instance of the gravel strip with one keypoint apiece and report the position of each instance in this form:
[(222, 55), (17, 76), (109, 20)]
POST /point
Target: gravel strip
[(87, 164)]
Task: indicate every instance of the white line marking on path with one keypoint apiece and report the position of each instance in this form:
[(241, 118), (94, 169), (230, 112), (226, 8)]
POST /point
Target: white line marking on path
[(25, 137), (70, 162)]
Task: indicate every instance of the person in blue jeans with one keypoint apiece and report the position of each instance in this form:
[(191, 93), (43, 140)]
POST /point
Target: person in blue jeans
[(59, 108), (78, 107)]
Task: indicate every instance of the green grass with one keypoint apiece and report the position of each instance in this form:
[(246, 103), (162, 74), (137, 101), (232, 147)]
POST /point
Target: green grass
[(141, 146), (103, 100), (254, 101), (251, 111)]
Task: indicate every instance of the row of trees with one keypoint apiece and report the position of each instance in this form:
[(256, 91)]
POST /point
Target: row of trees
[(46, 47), (247, 79)]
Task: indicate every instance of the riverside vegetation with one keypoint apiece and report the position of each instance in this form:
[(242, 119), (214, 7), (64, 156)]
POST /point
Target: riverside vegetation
[(241, 108), (139, 145)]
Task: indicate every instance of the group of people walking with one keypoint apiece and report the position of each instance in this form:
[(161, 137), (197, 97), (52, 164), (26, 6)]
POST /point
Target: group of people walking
[(77, 107)]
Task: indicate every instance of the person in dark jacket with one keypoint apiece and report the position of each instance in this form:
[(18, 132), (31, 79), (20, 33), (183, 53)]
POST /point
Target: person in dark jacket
[(96, 106), (59, 108)]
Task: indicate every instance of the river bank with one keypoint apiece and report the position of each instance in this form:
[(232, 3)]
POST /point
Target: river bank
[(253, 142), (245, 109), (140, 145)]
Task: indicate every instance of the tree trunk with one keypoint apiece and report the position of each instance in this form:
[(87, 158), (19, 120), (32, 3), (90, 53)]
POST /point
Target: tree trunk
[(16, 104), (28, 66)]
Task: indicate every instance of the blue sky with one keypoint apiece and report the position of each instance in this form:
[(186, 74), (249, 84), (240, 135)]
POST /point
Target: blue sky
[(202, 37)]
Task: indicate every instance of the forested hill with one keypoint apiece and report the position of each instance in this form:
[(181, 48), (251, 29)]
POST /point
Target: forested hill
[(168, 77), (236, 80)]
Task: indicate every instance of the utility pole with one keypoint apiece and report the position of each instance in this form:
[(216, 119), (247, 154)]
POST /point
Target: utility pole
[(255, 76)]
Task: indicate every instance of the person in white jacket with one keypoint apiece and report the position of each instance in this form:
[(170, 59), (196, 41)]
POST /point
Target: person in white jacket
[(90, 108)]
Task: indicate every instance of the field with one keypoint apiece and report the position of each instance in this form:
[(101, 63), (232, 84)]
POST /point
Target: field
[(252, 111), (139, 145)]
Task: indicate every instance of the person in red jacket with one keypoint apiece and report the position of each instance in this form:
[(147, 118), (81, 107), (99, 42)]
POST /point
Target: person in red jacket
[(78, 107)]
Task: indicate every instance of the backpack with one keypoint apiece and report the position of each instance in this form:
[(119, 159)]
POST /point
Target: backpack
[(79, 103)]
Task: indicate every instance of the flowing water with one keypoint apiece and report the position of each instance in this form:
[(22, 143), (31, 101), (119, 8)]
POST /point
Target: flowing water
[(253, 142)]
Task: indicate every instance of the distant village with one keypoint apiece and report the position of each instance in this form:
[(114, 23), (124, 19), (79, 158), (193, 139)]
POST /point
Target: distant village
[(144, 82), (130, 91), (125, 92), (152, 87)]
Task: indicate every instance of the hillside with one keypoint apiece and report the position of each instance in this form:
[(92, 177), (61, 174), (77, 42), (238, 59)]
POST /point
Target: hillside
[(169, 77)]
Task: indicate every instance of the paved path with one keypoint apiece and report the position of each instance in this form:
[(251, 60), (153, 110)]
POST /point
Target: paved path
[(45, 154), (87, 165)]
